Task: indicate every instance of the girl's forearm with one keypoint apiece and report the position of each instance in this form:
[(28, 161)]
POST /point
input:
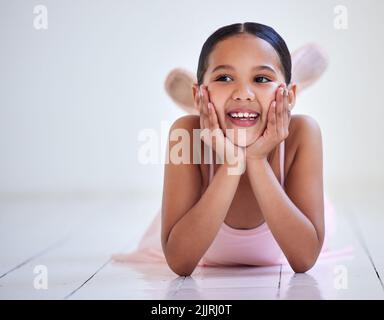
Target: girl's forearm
[(192, 235), (293, 231)]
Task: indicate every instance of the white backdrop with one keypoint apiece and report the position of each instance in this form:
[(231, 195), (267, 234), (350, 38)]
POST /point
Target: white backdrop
[(74, 97)]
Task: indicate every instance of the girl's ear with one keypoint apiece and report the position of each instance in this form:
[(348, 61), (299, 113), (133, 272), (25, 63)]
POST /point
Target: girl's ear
[(292, 89)]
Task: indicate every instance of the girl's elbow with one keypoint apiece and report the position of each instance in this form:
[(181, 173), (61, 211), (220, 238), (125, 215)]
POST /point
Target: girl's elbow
[(301, 268), (181, 271), (181, 268), (305, 261), (303, 265)]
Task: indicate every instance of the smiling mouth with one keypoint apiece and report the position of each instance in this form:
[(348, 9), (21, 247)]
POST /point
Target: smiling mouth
[(243, 115), (243, 120)]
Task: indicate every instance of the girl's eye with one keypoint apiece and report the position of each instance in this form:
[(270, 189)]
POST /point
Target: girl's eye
[(262, 79), (225, 77)]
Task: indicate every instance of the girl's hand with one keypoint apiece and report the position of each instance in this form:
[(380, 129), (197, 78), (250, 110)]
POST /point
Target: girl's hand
[(213, 136), (279, 116)]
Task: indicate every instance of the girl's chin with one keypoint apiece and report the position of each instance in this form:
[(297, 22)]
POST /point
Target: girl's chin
[(242, 143), (242, 137)]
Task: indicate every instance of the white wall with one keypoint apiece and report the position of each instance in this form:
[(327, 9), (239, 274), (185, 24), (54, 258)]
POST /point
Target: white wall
[(73, 98)]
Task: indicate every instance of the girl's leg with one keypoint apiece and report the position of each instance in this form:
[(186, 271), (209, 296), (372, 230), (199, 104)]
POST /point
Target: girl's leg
[(178, 86), (308, 64)]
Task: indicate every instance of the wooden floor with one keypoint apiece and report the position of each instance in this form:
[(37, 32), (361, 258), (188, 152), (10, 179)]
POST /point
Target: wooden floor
[(61, 249)]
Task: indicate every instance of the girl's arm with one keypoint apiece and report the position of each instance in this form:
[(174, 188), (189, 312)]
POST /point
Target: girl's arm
[(190, 221), (295, 216)]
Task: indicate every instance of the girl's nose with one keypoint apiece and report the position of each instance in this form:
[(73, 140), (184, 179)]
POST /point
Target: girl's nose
[(243, 92)]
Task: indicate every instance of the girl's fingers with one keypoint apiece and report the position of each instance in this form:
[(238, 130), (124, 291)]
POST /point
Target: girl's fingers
[(207, 113), (202, 100), (272, 109), (286, 113), (202, 126), (272, 118), (279, 112), (203, 109), (210, 117), (210, 110), (290, 98), (282, 113), (206, 103), (213, 116)]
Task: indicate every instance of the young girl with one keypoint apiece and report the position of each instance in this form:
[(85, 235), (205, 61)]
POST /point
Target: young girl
[(271, 211)]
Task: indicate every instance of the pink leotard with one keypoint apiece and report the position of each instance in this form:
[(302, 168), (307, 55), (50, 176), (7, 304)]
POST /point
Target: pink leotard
[(255, 246)]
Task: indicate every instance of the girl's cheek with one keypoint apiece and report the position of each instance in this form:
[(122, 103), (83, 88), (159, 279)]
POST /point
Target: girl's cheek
[(268, 89), (266, 95)]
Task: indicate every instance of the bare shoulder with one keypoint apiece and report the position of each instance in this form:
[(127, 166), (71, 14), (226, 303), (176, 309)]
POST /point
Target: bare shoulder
[(306, 122), (188, 122), (303, 129)]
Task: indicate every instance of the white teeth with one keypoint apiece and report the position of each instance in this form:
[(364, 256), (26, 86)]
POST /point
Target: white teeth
[(243, 115)]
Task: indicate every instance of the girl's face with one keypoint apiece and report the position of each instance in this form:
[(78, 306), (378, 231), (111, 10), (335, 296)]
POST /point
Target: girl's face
[(243, 72)]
